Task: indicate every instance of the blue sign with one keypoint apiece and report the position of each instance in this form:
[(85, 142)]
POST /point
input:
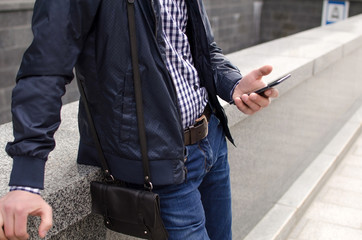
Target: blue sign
[(334, 11)]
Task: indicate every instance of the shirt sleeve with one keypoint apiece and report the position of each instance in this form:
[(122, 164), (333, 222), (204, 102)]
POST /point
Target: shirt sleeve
[(26, 189)]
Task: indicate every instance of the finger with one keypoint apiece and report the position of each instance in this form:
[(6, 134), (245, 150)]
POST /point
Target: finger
[(254, 106), (262, 71), (259, 100), (265, 70), (46, 223), (2, 234), (272, 93), (8, 222), (21, 219), (242, 106)]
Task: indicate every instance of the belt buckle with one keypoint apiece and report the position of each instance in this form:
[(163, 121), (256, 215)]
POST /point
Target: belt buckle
[(197, 131), (200, 120)]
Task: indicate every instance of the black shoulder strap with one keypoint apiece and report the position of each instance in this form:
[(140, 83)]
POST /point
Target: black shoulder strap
[(138, 93), (107, 174), (139, 106)]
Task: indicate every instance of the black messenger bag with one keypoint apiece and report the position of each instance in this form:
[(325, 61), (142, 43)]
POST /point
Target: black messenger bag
[(134, 212), (128, 211)]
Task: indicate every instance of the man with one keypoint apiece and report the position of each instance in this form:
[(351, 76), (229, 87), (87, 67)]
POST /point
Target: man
[(182, 71)]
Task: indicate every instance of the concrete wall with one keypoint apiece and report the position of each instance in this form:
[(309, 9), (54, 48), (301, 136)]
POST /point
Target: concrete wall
[(274, 146)]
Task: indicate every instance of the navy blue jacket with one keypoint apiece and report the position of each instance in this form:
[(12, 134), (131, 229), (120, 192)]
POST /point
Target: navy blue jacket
[(93, 37)]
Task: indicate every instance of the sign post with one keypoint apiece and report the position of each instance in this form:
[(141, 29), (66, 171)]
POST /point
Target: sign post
[(334, 11)]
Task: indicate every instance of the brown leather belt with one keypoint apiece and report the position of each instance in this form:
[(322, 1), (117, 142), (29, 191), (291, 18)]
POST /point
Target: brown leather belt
[(199, 130)]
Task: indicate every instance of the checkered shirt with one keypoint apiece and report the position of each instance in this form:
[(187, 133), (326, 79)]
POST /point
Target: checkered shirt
[(192, 98)]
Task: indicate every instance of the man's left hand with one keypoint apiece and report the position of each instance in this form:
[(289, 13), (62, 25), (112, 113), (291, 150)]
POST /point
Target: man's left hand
[(252, 103)]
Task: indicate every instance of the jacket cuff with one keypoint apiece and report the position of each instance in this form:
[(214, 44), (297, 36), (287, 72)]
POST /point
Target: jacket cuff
[(27, 172), (232, 92), (228, 85)]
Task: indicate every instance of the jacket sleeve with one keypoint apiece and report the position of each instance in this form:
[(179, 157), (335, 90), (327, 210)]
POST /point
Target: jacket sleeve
[(226, 75), (59, 28)]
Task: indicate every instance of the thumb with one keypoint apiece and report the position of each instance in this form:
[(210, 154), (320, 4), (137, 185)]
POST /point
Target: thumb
[(46, 223), (265, 70)]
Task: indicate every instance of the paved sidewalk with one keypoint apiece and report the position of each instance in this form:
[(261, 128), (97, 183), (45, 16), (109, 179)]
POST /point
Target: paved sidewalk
[(336, 212)]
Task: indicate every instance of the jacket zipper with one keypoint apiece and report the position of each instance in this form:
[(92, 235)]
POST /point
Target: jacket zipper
[(173, 82), (154, 15)]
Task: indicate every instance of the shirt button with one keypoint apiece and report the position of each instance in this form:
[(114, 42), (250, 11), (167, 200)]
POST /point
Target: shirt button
[(196, 87)]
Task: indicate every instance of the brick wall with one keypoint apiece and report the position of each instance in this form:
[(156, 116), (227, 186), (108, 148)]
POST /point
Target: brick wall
[(233, 23), (285, 17), (355, 7), (15, 35)]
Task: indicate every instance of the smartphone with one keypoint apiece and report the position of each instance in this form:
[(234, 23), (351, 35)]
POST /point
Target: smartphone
[(272, 84)]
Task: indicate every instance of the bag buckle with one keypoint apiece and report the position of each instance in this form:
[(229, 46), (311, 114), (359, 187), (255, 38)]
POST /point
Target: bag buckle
[(148, 184), (109, 177)]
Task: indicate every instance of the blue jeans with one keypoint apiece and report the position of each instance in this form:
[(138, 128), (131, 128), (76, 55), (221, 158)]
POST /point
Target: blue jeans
[(200, 208)]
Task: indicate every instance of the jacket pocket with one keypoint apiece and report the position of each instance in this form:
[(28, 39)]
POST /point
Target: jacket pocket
[(128, 121)]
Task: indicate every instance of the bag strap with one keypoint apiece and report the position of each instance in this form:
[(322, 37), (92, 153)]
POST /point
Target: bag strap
[(105, 167), (138, 94), (139, 107)]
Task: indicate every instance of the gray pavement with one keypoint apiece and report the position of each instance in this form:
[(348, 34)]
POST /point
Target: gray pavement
[(336, 211)]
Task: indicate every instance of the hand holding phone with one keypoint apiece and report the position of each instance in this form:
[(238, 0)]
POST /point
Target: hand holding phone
[(261, 91)]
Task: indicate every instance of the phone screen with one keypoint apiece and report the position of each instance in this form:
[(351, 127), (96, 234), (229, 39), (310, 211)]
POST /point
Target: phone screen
[(272, 84)]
